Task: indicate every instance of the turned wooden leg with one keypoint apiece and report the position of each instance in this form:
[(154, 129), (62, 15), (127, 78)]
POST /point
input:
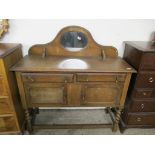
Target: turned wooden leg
[(117, 119), (106, 110), (28, 121)]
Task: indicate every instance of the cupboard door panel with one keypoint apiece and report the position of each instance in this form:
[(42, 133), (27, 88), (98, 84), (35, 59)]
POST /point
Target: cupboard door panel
[(46, 94), (101, 94)]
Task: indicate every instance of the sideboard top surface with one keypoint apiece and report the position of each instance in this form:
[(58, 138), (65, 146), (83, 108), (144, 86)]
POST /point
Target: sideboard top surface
[(32, 63)]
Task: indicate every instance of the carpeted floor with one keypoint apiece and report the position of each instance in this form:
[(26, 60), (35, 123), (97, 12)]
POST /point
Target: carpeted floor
[(81, 116)]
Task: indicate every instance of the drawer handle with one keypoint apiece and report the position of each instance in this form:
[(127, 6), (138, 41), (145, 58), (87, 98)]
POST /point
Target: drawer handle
[(142, 106), (144, 93), (139, 119), (30, 78), (151, 80)]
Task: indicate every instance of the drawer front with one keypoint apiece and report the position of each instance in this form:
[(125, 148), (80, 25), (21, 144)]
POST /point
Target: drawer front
[(136, 119), (144, 93), (5, 107), (145, 80), (7, 124), (41, 77), (148, 61), (81, 77), (45, 94), (3, 91), (100, 94), (142, 106)]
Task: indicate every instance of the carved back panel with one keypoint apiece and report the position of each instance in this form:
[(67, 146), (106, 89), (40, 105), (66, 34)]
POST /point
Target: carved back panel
[(55, 48)]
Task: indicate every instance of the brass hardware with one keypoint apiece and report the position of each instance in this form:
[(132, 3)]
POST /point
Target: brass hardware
[(31, 79), (142, 105), (44, 54), (103, 54), (128, 68), (65, 81), (139, 119), (116, 80), (144, 93), (151, 80)]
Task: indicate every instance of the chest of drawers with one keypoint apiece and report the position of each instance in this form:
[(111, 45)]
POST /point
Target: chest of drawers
[(140, 103), (11, 113)]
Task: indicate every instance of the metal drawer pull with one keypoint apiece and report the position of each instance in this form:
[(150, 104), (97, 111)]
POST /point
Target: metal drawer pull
[(144, 93), (142, 106), (139, 119), (30, 78), (151, 80)]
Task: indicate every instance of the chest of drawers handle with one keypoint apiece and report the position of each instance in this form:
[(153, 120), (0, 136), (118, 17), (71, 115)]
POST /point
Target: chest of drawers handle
[(144, 93), (30, 78), (139, 119), (142, 106), (151, 80)]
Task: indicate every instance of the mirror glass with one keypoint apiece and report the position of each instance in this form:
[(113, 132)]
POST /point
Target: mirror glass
[(73, 41)]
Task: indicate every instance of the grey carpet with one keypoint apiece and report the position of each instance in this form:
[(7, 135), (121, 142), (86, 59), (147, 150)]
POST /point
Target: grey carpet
[(81, 116)]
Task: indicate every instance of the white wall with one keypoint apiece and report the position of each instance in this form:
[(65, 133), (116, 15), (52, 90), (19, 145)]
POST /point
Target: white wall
[(106, 32)]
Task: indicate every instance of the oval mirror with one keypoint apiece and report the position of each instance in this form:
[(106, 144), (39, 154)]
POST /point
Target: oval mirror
[(74, 41)]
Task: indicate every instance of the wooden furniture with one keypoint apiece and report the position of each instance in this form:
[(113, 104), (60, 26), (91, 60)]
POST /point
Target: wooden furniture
[(140, 103), (72, 71), (4, 26), (11, 112)]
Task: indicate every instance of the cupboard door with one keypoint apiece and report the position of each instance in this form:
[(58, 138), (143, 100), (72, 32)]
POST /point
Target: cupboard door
[(46, 94), (101, 94)]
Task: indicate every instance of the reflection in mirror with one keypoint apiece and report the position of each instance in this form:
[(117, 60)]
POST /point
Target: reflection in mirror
[(73, 41)]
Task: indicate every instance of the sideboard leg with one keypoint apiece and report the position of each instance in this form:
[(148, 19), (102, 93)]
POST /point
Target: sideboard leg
[(28, 121), (117, 119)]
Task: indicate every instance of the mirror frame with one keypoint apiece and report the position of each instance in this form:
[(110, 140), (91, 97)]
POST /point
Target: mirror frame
[(4, 28)]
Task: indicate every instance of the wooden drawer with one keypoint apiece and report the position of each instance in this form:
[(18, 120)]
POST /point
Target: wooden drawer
[(142, 106), (5, 107), (3, 91), (144, 93), (141, 119), (42, 77), (148, 61), (7, 124), (89, 77), (145, 80)]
